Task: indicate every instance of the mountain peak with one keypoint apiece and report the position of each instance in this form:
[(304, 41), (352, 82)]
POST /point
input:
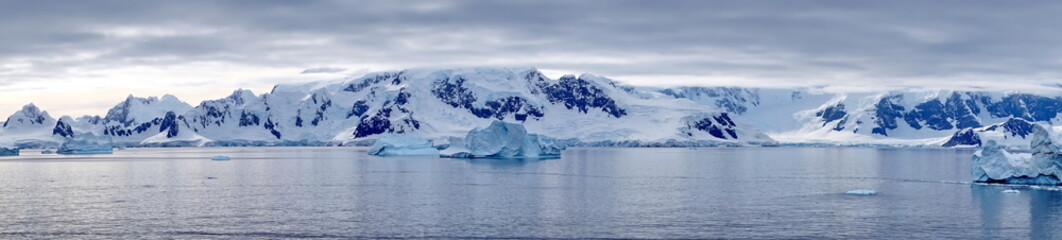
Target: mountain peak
[(29, 115)]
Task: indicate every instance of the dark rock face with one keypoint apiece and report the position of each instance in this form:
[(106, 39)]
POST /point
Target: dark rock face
[(1014, 126), (1025, 106), (170, 126), (886, 111), (272, 127), (833, 113), (394, 78), (719, 126), (453, 92), (960, 111), (966, 137), (246, 119), (63, 129), (392, 117), (359, 109), (577, 93), (30, 115)]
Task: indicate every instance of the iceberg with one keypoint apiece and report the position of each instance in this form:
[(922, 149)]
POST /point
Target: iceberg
[(8, 151), (862, 192), (87, 143), (220, 158), (402, 145), (1043, 166), (503, 140)]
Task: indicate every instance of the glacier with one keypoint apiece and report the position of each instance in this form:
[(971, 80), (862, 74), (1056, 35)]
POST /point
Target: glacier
[(87, 144), (579, 110), (503, 140), (402, 145), (1043, 166)]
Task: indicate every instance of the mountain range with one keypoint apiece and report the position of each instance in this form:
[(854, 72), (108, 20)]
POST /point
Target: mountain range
[(584, 110)]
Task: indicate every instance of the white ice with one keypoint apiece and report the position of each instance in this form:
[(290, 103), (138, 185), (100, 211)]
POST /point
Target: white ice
[(1041, 167), (503, 140), (87, 143), (402, 145), (862, 192)]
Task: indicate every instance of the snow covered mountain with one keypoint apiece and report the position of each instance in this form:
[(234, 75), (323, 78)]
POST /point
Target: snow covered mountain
[(429, 103), (587, 109)]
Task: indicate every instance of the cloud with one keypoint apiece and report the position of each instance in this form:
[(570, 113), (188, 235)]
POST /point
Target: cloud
[(322, 70), (748, 43)]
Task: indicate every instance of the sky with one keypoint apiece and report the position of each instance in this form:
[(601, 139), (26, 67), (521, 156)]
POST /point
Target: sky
[(83, 57)]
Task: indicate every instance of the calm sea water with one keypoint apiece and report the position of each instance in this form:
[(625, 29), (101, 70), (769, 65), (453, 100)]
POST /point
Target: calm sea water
[(589, 193)]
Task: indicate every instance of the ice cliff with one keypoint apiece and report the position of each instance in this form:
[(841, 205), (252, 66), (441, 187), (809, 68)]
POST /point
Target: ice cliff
[(1043, 166), (8, 151), (402, 145), (87, 144)]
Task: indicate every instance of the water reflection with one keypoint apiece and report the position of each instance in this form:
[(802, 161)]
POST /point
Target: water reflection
[(1003, 214), (589, 193), (501, 163)]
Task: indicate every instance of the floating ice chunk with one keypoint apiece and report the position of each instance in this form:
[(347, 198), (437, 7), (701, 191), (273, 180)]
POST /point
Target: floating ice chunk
[(503, 140), (1011, 191), (8, 151), (47, 151), (862, 192), (87, 143), (402, 145), (220, 158), (993, 164)]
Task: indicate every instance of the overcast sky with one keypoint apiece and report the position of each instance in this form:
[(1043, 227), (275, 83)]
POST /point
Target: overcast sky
[(82, 57)]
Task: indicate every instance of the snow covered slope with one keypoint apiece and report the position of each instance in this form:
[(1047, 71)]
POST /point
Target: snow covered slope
[(427, 103), (586, 109)]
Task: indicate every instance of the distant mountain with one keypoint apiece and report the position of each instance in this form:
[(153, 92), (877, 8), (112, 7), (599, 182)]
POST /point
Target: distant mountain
[(586, 110), (428, 103)]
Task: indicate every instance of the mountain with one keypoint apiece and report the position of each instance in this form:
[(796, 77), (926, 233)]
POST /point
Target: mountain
[(585, 110), (429, 103)]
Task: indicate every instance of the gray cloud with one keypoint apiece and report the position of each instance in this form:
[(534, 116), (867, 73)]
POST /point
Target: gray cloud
[(812, 42), (322, 70)]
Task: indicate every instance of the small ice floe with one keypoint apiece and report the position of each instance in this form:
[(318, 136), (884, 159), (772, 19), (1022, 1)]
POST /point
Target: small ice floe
[(862, 192), (1011, 191), (220, 158)]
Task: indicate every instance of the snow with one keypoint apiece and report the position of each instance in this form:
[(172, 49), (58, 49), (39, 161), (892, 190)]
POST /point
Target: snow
[(862, 192), (994, 164), (331, 112), (220, 158), (87, 143), (8, 151), (402, 145), (504, 140)]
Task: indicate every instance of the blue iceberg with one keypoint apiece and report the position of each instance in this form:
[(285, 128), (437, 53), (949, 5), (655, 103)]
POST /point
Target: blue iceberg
[(402, 145), (220, 158), (87, 143), (8, 151), (503, 140), (993, 164)]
